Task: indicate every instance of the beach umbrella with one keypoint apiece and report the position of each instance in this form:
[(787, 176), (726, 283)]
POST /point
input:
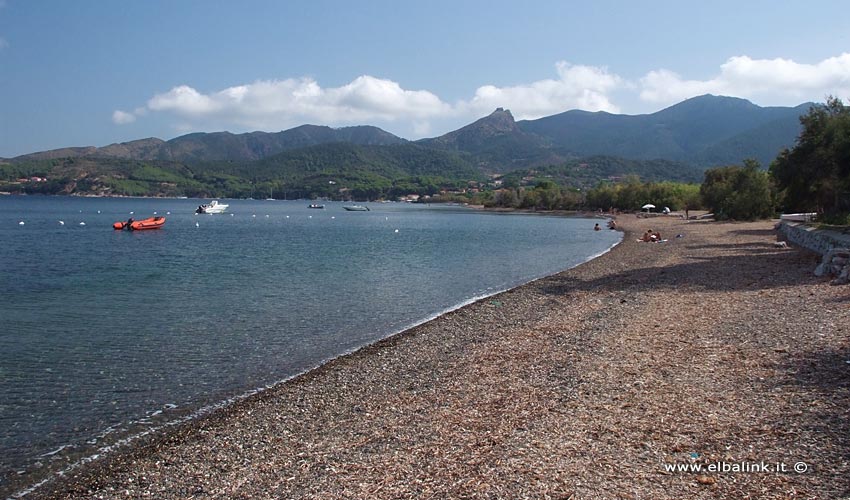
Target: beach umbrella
[(647, 206)]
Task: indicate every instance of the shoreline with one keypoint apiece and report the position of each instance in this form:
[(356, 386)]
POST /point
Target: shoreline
[(144, 437), (580, 383)]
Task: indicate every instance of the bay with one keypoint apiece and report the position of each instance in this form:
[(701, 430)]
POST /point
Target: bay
[(104, 333)]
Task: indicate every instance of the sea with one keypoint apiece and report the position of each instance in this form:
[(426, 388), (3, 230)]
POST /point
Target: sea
[(109, 335)]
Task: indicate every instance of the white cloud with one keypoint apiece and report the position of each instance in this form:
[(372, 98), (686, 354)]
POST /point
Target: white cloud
[(768, 81), (122, 117), (278, 103), (577, 87), (386, 99), (184, 100)]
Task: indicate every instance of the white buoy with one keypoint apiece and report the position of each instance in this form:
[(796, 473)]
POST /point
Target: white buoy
[(98, 211), (82, 223), (154, 213), (197, 225), (231, 215), (267, 216), (253, 215), (167, 213), (396, 230), (333, 217), (61, 222), (309, 216), (21, 223), (131, 213), (287, 216)]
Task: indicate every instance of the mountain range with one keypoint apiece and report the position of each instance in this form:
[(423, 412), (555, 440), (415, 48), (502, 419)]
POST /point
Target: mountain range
[(577, 147), (702, 131), (225, 146)]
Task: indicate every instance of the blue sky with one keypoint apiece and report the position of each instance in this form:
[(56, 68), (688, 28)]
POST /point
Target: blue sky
[(91, 73)]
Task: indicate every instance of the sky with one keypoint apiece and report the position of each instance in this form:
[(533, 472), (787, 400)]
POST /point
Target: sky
[(97, 72)]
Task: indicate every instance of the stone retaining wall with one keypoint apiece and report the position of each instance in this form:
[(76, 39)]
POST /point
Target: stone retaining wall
[(832, 245), (816, 240)]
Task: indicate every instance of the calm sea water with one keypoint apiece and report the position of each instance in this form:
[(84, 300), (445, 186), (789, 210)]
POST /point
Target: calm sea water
[(104, 332)]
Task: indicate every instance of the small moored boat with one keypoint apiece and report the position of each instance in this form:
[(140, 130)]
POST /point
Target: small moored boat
[(140, 225), (356, 208), (315, 205), (213, 207)]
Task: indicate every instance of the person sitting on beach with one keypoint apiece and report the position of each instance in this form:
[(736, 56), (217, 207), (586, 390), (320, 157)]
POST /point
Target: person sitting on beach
[(647, 236), (656, 236)]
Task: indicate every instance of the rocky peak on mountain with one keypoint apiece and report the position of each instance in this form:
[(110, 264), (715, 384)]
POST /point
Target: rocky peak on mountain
[(497, 124)]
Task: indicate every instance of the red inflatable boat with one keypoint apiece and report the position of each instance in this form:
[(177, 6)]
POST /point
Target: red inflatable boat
[(140, 225)]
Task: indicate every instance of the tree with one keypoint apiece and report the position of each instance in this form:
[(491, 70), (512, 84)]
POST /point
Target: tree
[(632, 194), (814, 175), (738, 192), (603, 196), (501, 198), (548, 195), (690, 199)]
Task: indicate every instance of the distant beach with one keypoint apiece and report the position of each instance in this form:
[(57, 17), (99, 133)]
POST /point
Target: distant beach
[(712, 348)]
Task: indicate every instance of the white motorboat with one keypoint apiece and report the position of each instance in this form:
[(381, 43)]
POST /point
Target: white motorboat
[(213, 207), (356, 208)]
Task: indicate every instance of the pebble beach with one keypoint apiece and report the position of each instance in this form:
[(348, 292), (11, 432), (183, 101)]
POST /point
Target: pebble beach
[(715, 348)]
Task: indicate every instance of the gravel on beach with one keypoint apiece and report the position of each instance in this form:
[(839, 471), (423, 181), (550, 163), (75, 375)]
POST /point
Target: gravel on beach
[(712, 349)]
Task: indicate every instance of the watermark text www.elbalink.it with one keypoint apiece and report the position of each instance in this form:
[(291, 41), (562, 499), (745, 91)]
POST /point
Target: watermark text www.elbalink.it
[(739, 467)]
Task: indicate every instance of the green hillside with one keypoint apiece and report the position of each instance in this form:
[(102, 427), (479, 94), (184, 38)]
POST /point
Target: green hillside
[(217, 146), (587, 172), (338, 170)]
